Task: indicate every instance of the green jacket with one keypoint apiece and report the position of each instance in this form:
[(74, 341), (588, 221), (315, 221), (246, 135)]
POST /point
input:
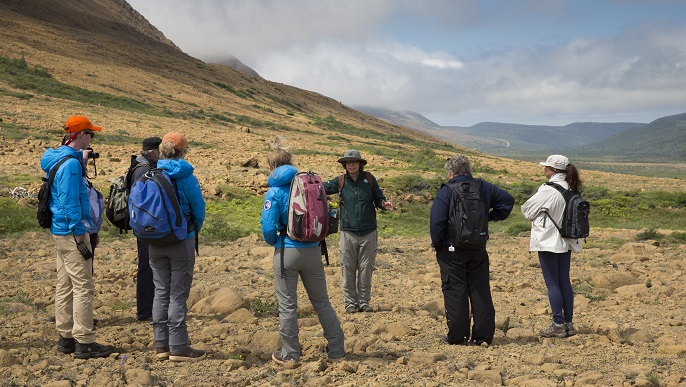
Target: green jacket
[(357, 210)]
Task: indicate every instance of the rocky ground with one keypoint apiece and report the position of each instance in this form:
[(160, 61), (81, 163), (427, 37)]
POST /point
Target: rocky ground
[(629, 312)]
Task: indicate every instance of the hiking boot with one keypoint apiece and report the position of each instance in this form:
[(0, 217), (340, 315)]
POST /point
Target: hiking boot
[(92, 350), (569, 327), (188, 354), (162, 353), (554, 330), (351, 309), (66, 345), (366, 309), (279, 359)]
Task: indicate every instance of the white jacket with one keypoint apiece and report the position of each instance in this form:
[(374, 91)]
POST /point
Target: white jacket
[(544, 235)]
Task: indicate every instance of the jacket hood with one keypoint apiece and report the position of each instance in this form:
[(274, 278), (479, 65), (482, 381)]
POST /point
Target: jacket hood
[(53, 156), (282, 175), (177, 169)]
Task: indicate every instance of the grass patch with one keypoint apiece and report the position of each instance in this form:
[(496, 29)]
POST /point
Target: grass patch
[(122, 305), (19, 74), (235, 216), (264, 308), (16, 219)]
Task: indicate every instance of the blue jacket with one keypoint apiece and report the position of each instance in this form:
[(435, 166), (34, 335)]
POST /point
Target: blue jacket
[(500, 204), (69, 202), (275, 209), (190, 195)]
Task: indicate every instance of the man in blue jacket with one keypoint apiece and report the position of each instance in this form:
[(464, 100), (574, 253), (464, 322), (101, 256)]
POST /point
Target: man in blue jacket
[(465, 272), (70, 207)]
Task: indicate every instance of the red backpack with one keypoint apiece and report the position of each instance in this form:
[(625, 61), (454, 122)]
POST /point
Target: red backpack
[(308, 209)]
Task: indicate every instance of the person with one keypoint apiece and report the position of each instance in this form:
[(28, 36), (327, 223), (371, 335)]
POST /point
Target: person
[(300, 259), (465, 273), (172, 266), (554, 251), (359, 197), (145, 288), (71, 217)]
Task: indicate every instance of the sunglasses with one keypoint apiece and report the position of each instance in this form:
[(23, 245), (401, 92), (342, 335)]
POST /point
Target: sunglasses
[(90, 133)]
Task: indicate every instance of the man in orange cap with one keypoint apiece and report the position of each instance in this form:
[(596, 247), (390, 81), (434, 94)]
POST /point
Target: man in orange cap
[(70, 207)]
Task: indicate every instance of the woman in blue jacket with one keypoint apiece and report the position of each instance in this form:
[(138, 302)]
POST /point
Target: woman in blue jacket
[(299, 259), (172, 266)]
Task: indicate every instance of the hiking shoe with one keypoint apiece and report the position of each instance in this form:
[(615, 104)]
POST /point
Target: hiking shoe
[(279, 359), (92, 350), (554, 330), (569, 327), (66, 345), (351, 309), (188, 354), (366, 309), (162, 353)]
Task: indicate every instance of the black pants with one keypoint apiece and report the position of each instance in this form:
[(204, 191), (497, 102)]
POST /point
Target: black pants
[(145, 288), (465, 281)]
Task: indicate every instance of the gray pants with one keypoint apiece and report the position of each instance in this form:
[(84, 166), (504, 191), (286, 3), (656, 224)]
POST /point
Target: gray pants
[(358, 257), (172, 274), (306, 262)]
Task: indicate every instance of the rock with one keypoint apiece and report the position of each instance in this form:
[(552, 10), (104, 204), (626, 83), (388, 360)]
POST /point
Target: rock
[(223, 301), (139, 377), (614, 280), (242, 316)]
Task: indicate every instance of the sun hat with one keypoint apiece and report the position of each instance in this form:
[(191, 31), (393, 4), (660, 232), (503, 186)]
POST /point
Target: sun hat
[(352, 155), (78, 123), (177, 139), (152, 143), (556, 161)]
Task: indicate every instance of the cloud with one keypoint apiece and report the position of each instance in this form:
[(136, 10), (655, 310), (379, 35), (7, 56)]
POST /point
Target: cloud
[(460, 61)]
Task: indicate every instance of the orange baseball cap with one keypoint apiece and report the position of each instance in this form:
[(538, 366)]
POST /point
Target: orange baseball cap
[(79, 123), (177, 138)]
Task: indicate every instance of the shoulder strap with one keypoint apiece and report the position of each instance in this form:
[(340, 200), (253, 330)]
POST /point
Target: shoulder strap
[(557, 187), (54, 169)]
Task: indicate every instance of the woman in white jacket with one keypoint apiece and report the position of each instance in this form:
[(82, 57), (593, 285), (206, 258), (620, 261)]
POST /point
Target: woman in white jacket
[(554, 251)]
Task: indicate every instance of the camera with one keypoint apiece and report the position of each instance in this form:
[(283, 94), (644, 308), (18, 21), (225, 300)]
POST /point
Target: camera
[(93, 154)]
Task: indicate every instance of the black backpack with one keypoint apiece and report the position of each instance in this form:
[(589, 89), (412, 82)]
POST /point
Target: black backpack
[(44, 215), (575, 217), (468, 218), (117, 207)]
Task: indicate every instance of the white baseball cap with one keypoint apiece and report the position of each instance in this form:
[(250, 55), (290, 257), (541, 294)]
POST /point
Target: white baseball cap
[(556, 161)]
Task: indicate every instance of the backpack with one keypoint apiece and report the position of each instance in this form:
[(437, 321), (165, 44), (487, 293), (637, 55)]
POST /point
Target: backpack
[(308, 208), (44, 215), (575, 216), (117, 209), (155, 213), (97, 204), (468, 217)]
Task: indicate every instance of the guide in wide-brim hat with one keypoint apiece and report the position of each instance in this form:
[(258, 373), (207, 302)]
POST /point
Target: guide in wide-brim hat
[(352, 155)]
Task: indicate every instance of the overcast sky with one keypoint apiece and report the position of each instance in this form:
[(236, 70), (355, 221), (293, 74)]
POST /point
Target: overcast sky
[(457, 62)]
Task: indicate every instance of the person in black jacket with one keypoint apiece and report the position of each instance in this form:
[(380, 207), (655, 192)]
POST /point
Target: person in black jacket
[(145, 288), (465, 273)]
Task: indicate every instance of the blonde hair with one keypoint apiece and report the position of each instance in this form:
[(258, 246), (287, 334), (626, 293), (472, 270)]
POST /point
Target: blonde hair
[(279, 155), (167, 151)]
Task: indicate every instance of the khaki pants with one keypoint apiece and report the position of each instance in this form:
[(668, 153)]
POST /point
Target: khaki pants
[(358, 258), (74, 291)]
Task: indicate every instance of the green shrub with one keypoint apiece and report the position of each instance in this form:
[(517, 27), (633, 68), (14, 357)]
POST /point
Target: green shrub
[(233, 218), (649, 234), (677, 237)]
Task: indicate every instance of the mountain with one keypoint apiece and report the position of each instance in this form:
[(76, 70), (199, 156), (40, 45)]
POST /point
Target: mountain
[(545, 137), (422, 124), (661, 140)]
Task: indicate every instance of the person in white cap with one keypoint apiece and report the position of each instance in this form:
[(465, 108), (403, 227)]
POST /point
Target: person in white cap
[(554, 251)]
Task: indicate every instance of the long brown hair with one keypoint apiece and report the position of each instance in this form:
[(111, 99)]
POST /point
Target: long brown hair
[(572, 178)]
